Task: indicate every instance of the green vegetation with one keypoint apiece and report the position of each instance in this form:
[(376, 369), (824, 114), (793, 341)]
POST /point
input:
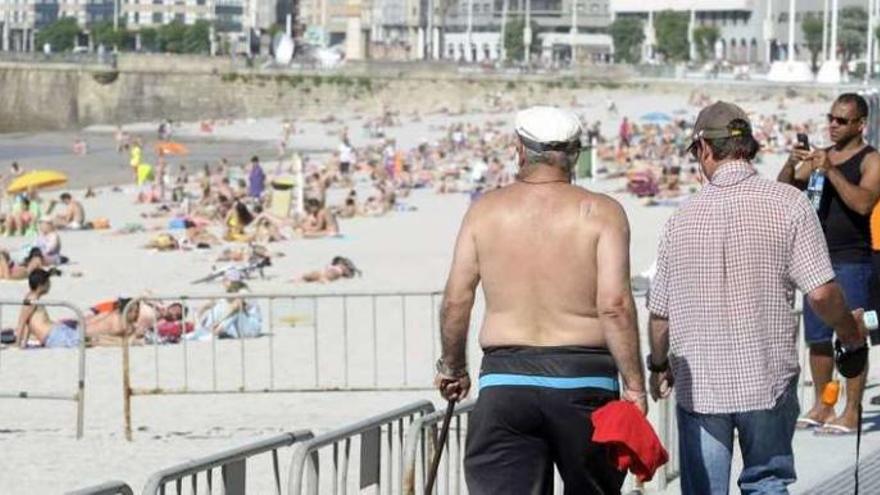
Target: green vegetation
[(628, 35), (672, 35), (514, 46), (705, 38), (60, 35), (852, 32), (812, 29)]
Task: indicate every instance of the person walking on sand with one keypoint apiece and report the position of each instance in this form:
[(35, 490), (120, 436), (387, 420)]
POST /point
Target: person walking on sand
[(722, 330), (560, 322)]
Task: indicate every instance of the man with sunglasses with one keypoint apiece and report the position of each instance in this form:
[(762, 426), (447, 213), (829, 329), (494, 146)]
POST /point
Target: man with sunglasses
[(721, 328), (852, 188)]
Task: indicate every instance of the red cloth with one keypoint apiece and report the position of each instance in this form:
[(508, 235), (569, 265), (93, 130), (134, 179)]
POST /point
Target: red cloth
[(632, 443)]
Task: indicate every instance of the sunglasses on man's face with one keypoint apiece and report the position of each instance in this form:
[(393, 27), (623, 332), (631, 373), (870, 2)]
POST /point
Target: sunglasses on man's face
[(841, 120)]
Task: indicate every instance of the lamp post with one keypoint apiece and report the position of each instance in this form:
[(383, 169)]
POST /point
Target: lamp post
[(574, 30), (527, 32)]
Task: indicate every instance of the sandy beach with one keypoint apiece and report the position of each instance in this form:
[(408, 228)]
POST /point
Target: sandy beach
[(406, 251)]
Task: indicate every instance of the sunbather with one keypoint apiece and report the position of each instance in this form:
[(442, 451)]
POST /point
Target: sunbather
[(338, 268)]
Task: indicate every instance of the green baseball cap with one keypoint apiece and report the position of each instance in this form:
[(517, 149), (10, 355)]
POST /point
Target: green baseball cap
[(714, 121)]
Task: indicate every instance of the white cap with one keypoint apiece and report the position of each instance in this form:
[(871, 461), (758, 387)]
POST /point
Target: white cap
[(548, 126)]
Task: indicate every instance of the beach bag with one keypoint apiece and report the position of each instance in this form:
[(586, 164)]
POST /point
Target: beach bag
[(172, 331)]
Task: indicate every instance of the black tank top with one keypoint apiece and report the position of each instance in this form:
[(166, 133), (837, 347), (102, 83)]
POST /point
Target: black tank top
[(847, 232)]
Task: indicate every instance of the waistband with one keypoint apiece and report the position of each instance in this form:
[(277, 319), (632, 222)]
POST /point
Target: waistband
[(559, 367)]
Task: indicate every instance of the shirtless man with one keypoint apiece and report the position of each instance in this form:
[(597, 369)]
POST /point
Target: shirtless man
[(560, 320), (73, 217)]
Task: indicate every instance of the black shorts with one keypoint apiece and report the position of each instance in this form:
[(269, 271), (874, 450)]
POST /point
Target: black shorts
[(344, 168), (533, 412)]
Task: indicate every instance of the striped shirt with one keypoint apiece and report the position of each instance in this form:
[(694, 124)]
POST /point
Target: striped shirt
[(728, 265)]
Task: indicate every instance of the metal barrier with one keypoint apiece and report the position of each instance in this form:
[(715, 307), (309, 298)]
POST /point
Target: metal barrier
[(232, 464), (419, 447), (349, 323), (77, 396), (108, 488), (376, 468), (667, 432)]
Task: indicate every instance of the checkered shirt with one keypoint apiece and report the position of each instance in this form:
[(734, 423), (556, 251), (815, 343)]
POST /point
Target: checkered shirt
[(728, 263)]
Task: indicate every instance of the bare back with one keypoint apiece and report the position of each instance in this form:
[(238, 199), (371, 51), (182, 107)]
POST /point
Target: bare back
[(538, 248)]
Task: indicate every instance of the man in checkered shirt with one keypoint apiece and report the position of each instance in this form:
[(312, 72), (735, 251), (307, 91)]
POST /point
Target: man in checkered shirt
[(722, 327)]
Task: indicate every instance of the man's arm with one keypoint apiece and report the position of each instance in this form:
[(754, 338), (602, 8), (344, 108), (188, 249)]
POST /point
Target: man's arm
[(614, 300), (659, 339), (796, 171), (860, 197), (828, 303), (458, 297)]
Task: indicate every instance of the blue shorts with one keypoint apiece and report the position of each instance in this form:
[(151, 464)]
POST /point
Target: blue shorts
[(63, 334), (855, 280)]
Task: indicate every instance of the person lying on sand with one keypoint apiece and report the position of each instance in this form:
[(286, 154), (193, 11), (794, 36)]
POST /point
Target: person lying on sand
[(9, 270), (234, 317), (338, 268)]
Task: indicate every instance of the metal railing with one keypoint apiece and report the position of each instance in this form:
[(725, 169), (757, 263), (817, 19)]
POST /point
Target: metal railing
[(78, 395), (420, 444), (667, 432), (232, 464), (321, 339), (109, 488), (377, 468)]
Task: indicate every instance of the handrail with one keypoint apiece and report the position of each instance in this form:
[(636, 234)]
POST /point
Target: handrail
[(155, 484), (114, 487), (411, 442), (306, 450), (79, 395)]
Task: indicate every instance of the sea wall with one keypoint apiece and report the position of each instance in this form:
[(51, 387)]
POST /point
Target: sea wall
[(45, 96)]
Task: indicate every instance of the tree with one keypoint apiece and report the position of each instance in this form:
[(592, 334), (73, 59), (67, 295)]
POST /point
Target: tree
[(852, 32), (514, 42), (172, 36), (61, 34), (813, 32), (197, 38), (672, 35), (149, 39), (103, 33), (628, 35), (705, 38)]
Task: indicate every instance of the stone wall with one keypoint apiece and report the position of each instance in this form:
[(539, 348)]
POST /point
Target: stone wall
[(45, 97)]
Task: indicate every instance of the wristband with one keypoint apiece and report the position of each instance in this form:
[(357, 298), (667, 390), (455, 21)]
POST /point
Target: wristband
[(448, 372), (656, 368)]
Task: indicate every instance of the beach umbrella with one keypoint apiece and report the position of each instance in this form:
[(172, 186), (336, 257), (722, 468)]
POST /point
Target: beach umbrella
[(37, 179), (171, 148), (656, 118)]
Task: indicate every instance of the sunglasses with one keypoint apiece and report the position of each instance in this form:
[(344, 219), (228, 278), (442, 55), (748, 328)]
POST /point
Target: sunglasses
[(841, 120)]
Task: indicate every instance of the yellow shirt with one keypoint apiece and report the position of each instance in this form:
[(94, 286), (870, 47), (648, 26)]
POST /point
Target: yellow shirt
[(135, 156)]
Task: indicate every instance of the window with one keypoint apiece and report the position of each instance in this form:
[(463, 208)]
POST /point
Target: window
[(137, 17), (157, 18)]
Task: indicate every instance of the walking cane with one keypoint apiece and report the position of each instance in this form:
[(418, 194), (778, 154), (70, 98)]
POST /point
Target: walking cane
[(444, 432)]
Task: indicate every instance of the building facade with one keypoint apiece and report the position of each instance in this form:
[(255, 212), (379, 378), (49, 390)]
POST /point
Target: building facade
[(751, 31), (21, 19)]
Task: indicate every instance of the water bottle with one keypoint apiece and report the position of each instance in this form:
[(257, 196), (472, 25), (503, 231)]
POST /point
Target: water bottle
[(873, 326), (815, 187)]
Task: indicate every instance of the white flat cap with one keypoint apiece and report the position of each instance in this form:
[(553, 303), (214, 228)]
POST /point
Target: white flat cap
[(545, 128)]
